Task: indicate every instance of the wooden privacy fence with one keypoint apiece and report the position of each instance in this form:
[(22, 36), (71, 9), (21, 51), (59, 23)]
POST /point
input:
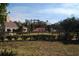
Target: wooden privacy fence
[(30, 36), (12, 36)]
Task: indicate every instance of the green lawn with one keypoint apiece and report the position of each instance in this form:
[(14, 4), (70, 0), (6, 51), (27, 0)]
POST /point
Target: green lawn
[(41, 48)]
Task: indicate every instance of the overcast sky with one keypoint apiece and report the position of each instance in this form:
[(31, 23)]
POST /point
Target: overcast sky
[(53, 12)]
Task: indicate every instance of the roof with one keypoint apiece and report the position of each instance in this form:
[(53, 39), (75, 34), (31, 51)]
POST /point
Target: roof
[(10, 24), (39, 30)]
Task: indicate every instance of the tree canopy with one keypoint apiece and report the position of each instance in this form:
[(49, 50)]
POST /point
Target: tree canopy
[(3, 10)]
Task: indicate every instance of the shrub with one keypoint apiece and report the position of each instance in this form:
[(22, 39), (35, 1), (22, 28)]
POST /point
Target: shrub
[(7, 52)]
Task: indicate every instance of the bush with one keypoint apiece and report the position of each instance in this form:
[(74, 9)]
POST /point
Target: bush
[(7, 52)]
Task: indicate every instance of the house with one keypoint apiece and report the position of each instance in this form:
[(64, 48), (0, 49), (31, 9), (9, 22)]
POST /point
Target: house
[(39, 29), (10, 26), (53, 30), (25, 29)]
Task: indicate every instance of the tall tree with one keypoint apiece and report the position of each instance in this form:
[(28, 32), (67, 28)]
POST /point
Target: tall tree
[(69, 25), (3, 15)]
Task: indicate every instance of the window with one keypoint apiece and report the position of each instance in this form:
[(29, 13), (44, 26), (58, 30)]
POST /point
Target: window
[(8, 30)]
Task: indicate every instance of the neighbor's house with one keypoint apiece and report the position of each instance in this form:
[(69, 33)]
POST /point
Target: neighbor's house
[(25, 29), (39, 29), (10, 26), (53, 30)]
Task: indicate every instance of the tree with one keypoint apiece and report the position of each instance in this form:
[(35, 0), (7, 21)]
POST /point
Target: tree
[(69, 25), (3, 15)]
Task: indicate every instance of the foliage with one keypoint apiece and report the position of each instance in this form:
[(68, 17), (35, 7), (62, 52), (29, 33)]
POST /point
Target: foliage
[(3, 16), (3, 10), (7, 52), (69, 25)]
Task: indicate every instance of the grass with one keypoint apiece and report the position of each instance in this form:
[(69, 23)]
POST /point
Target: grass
[(41, 48)]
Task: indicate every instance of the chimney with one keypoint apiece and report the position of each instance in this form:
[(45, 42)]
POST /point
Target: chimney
[(8, 19)]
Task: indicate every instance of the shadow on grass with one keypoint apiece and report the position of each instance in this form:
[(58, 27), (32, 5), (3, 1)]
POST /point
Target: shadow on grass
[(70, 42)]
